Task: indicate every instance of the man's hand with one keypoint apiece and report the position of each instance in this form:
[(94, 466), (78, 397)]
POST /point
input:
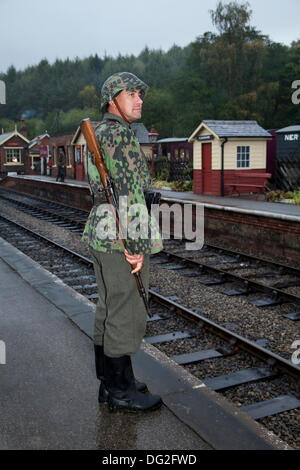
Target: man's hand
[(136, 261)]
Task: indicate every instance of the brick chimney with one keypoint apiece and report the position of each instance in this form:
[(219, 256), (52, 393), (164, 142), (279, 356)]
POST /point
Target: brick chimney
[(23, 128)]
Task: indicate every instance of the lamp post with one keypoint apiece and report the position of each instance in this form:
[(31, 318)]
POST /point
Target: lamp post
[(153, 135)]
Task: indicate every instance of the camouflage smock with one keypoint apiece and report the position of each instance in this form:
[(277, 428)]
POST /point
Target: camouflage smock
[(128, 168)]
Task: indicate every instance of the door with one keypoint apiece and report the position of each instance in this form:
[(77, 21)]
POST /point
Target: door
[(206, 169), (79, 166)]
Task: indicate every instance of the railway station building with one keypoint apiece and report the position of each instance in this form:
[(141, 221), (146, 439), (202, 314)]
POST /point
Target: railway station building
[(39, 155), (13, 151), (65, 143), (228, 154), (175, 148)]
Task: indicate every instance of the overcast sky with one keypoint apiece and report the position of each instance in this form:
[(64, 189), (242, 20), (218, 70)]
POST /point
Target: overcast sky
[(31, 30)]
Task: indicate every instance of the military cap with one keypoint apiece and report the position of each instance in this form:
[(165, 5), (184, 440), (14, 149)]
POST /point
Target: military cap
[(119, 82)]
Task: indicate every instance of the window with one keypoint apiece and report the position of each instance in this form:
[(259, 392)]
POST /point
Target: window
[(13, 155), (78, 154), (182, 153), (243, 157)]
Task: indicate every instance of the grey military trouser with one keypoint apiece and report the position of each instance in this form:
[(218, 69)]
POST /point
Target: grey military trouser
[(120, 316)]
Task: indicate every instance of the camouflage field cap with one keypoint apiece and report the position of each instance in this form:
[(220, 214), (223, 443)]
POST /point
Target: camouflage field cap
[(119, 82)]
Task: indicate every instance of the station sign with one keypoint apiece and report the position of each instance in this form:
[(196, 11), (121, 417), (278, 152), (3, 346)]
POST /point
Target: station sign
[(291, 137), (44, 151), (205, 137)]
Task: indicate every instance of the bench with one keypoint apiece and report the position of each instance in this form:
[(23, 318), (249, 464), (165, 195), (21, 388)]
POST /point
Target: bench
[(257, 185)]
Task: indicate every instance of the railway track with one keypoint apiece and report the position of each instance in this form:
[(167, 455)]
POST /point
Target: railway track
[(265, 284), (215, 261), (226, 361), (64, 216)]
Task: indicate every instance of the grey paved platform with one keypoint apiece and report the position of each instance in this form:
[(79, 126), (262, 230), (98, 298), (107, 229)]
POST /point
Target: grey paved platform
[(48, 395), (243, 202)]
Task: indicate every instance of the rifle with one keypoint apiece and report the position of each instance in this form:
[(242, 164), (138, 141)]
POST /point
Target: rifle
[(91, 140)]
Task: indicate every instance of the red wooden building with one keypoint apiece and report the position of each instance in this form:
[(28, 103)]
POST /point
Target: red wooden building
[(175, 147), (13, 151), (64, 142), (39, 155), (78, 143), (228, 155)]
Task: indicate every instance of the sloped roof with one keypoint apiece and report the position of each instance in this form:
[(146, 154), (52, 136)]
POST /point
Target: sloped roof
[(232, 129), (289, 129), (140, 132), (8, 135), (40, 137), (4, 136), (172, 139), (95, 124), (237, 129)]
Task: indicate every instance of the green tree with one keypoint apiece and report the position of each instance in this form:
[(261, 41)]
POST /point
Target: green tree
[(157, 111), (231, 20), (88, 97), (6, 125), (234, 60)]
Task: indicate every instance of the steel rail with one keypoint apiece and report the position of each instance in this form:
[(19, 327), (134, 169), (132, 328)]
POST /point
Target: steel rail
[(252, 286), (242, 255), (284, 269), (235, 341), (35, 198), (47, 240), (43, 210)]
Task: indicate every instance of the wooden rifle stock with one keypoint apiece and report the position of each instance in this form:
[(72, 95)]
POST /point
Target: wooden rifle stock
[(91, 140)]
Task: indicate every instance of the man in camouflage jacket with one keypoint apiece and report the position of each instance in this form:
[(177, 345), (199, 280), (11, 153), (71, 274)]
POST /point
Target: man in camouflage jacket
[(120, 317)]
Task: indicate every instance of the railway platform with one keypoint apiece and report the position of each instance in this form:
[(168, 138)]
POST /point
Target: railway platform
[(244, 203), (239, 222), (48, 397)]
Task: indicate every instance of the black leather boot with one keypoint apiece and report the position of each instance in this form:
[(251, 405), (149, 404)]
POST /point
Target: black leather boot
[(120, 383), (99, 363)]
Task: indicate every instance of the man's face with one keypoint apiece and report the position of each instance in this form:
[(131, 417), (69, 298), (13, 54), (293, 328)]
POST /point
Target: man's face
[(131, 104)]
